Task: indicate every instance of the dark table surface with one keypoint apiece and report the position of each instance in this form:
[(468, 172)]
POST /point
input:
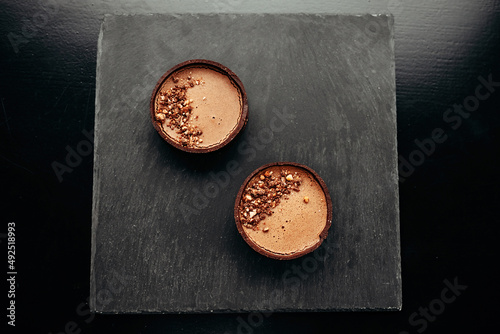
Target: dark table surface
[(448, 99)]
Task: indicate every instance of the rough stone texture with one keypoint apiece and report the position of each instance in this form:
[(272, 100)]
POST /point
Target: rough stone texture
[(321, 92)]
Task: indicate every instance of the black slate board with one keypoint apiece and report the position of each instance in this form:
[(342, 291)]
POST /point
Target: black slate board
[(321, 91)]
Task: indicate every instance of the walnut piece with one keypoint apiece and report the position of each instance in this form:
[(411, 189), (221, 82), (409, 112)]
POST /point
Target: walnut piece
[(174, 109), (264, 193)]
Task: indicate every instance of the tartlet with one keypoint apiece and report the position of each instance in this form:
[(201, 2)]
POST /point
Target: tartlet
[(199, 106), (283, 210)]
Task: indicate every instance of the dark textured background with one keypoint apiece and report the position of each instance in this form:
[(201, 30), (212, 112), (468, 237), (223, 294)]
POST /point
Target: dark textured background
[(449, 220), (334, 87)]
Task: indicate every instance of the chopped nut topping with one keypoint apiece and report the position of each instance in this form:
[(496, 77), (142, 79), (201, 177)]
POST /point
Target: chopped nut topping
[(264, 194), (306, 199), (174, 110), (266, 229)]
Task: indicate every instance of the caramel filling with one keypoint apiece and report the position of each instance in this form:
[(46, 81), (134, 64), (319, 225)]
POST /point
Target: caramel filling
[(210, 108), (296, 222)]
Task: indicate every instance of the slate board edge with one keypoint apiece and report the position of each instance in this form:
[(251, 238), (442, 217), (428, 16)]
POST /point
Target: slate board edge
[(399, 307), (281, 310), (96, 188)]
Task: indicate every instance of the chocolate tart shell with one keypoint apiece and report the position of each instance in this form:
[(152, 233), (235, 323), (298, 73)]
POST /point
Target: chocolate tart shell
[(266, 252), (213, 66)]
